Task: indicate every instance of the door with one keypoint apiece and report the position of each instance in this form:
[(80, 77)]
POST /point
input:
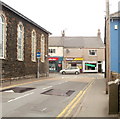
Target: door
[(100, 68)]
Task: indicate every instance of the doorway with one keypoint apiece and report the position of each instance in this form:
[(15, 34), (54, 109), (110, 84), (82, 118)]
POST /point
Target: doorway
[(100, 68)]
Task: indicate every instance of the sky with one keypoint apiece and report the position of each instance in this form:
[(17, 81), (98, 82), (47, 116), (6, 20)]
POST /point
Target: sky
[(76, 17)]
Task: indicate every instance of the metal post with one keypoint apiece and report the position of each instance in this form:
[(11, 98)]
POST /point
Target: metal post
[(38, 72)]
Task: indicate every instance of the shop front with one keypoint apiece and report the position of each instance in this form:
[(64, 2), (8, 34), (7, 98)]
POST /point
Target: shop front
[(55, 64), (90, 66), (75, 62)]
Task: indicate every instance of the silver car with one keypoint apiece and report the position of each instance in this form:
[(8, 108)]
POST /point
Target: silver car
[(74, 70)]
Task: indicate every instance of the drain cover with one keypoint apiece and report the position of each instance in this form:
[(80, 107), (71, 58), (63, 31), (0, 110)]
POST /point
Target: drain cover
[(58, 92), (17, 89)]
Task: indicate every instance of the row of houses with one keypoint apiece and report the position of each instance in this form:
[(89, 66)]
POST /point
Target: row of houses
[(87, 53)]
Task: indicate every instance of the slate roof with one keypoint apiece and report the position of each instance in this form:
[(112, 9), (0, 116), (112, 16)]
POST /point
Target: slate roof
[(76, 42), (24, 17), (115, 15)]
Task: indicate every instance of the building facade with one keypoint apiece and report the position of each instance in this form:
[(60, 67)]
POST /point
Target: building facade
[(56, 53), (87, 53), (20, 40), (115, 44)]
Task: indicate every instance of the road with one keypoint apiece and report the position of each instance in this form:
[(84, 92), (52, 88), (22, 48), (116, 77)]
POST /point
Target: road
[(64, 92)]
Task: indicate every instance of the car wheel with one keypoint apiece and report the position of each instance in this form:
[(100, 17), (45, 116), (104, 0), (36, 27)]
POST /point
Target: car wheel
[(63, 73), (76, 72)]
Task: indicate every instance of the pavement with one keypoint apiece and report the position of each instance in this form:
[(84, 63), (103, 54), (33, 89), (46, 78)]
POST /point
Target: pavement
[(95, 103)]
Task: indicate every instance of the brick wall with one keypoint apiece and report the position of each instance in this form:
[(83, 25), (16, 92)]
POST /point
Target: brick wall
[(11, 67)]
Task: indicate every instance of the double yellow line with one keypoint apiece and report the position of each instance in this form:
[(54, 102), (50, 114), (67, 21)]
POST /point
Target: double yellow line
[(67, 111)]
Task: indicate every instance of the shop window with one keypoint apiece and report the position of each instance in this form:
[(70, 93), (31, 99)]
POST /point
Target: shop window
[(51, 50), (92, 52), (90, 66)]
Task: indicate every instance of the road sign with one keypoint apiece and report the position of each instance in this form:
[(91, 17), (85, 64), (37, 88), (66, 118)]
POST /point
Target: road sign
[(38, 54)]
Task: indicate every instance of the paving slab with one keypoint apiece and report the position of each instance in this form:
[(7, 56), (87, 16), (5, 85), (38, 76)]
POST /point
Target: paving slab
[(95, 102)]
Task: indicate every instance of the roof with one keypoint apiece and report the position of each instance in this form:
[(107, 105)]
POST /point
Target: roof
[(115, 15), (76, 42), (24, 17), (56, 41)]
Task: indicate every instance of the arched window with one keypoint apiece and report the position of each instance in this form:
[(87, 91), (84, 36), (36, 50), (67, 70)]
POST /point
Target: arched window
[(42, 48), (33, 50), (2, 36), (20, 42)]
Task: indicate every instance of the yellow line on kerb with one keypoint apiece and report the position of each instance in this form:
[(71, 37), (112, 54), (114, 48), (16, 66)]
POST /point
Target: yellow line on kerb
[(74, 102), (19, 85)]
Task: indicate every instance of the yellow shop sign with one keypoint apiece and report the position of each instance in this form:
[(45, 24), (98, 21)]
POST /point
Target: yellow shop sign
[(78, 59)]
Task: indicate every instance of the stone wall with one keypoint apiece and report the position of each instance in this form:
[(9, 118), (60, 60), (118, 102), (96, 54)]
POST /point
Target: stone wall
[(11, 67), (115, 75)]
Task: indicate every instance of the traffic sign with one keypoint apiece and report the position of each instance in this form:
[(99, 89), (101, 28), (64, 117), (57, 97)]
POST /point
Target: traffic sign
[(38, 54)]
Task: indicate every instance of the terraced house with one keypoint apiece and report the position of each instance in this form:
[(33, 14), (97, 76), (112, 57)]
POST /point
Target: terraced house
[(87, 53), (20, 39)]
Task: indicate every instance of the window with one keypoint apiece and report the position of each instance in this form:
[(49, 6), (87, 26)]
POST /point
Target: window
[(93, 52), (33, 51), (51, 50), (2, 36), (20, 42), (42, 48), (90, 66)]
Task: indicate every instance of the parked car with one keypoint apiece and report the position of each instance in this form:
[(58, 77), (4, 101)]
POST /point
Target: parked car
[(74, 70)]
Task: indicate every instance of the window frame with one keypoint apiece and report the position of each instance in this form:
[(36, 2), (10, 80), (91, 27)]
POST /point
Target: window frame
[(94, 51), (22, 42), (52, 50), (33, 46), (3, 56), (42, 48)]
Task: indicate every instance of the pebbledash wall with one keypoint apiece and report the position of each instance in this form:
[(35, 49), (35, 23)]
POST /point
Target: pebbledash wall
[(11, 66)]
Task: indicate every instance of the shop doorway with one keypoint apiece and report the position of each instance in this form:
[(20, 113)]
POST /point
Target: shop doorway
[(100, 68)]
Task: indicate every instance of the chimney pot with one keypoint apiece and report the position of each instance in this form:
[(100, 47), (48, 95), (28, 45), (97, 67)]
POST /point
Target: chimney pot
[(99, 33), (63, 33)]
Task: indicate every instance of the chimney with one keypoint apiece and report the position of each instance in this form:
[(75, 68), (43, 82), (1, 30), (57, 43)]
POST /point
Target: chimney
[(99, 34), (63, 33)]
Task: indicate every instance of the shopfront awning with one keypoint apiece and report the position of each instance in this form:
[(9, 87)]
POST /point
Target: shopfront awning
[(91, 65)]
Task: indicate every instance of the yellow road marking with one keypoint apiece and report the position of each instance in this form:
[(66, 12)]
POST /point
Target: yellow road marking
[(72, 104), (69, 105), (18, 85)]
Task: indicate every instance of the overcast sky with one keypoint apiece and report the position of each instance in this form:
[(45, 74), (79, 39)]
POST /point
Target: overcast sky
[(76, 17)]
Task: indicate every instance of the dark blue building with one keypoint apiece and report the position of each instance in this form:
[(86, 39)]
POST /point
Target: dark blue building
[(115, 42)]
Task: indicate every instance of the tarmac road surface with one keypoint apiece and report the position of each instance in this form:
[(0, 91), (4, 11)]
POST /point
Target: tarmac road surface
[(62, 93)]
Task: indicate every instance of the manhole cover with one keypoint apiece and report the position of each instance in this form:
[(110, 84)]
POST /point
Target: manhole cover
[(58, 92), (17, 89)]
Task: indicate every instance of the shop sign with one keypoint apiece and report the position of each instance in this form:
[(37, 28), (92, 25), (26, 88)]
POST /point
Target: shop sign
[(91, 65), (69, 59), (53, 58), (75, 59)]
